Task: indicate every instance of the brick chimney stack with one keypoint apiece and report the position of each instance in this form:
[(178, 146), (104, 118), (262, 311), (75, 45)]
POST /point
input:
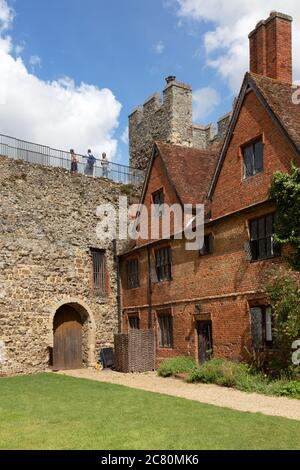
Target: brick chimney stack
[(271, 47)]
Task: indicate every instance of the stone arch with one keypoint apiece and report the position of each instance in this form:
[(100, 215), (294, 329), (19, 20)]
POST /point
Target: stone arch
[(88, 325)]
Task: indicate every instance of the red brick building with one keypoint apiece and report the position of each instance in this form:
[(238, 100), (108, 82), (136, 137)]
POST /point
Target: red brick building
[(214, 300)]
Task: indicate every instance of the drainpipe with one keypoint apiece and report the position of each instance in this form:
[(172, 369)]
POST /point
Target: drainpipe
[(119, 299), (149, 290)]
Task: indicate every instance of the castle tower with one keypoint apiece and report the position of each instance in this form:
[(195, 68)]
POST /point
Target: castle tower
[(169, 121)]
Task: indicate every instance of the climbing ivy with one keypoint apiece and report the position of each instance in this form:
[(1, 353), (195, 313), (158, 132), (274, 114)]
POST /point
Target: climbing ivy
[(285, 192), (284, 294)]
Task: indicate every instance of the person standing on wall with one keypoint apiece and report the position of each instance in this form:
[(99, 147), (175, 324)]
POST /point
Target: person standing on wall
[(74, 161), (90, 163), (104, 165)]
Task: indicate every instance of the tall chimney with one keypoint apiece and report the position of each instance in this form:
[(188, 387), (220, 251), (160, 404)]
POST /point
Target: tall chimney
[(271, 47)]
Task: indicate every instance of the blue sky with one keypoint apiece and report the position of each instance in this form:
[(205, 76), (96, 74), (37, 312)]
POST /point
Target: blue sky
[(129, 47), (113, 44)]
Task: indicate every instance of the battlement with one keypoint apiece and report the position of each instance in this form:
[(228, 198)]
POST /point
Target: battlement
[(151, 105), (169, 118), (203, 135), (223, 125)]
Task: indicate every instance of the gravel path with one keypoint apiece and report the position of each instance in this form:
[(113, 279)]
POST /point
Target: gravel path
[(209, 394)]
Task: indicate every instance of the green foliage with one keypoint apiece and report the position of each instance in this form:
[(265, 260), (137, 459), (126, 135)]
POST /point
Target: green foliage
[(258, 360), (285, 192), (243, 378), (284, 294), (281, 388), (127, 189), (176, 365), (289, 389), (220, 372)]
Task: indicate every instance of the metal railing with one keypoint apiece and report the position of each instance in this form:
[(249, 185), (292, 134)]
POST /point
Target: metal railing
[(47, 156)]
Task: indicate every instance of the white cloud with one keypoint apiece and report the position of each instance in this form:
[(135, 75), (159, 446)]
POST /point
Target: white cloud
[(57, 113), (227, 42), (6, 15), (205, 100), (35, 60), (19, 48), (125, 136), (159, 48)]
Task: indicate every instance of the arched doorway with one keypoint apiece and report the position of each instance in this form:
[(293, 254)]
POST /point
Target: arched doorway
[(68, 339)]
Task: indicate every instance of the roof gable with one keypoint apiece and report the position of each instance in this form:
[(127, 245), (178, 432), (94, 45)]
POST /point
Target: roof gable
[(276, 98), (188, 170), (279, 98)]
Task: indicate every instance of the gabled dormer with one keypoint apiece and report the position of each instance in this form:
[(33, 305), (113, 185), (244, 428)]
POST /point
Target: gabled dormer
[(264, 135), (176, 175)]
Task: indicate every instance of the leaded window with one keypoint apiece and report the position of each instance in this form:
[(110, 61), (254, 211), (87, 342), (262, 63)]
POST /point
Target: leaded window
[(262, 238), (133, 274), (261, 322), (253, 159), (163, 264), (134, 322), (158, 200), (165, 322), (208, 245)]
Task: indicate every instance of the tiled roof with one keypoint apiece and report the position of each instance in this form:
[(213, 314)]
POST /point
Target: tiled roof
[(279, 97), (190, 170)]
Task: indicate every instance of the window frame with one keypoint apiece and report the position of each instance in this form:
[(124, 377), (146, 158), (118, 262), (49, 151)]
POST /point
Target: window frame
[(135, 317), (159, 210), (163, 269), (208, 248), (165, 329), (135, 274), (266, 344), (99, 272), (255, 169), (263, 247)]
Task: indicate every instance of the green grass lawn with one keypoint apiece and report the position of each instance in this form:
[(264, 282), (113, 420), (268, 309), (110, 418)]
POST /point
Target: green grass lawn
[(55, 412)]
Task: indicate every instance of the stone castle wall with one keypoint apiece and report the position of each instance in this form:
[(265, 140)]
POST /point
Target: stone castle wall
[(47, 227), (169, 120)]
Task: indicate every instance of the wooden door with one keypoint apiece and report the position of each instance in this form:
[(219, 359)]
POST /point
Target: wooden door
[(67, 350), (205, 344)]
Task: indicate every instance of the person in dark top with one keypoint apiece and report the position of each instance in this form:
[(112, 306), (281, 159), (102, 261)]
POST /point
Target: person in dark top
[(90, 163), (74, 161)]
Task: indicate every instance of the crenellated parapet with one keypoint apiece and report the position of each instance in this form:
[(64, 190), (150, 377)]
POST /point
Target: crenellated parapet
[(169, 118)]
